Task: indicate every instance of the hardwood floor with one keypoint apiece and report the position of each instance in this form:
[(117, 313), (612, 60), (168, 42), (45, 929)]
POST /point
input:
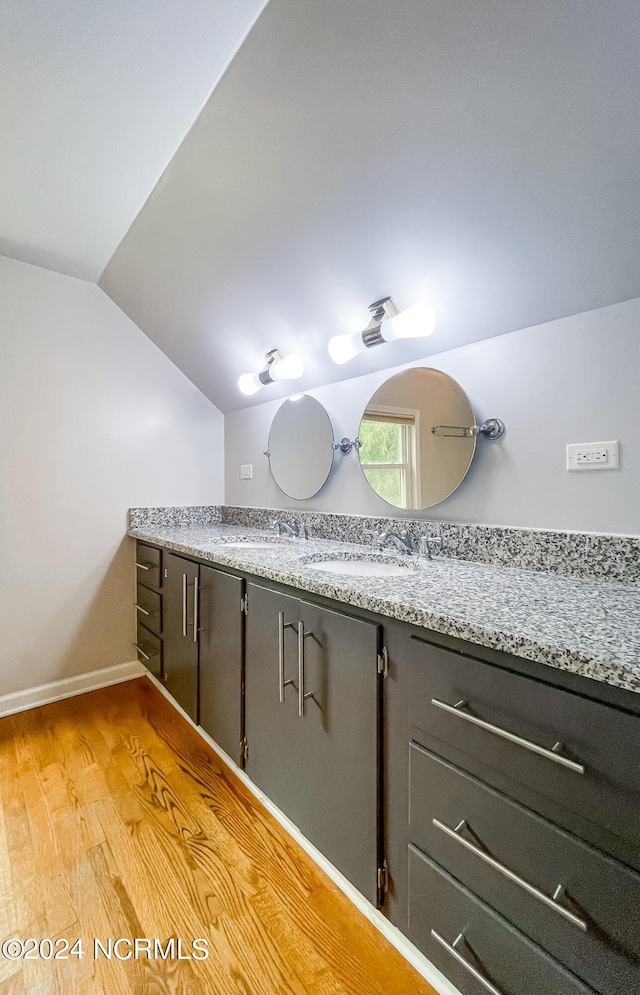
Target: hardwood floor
[(117, 820)]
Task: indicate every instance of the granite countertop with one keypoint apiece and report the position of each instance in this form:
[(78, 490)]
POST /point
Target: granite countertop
[(590, 627)]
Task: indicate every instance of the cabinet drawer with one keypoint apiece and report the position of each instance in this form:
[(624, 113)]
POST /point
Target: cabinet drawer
[(149, 565), (149, 609), (534, 715), (509, 963), (149, 648), (602, 894)]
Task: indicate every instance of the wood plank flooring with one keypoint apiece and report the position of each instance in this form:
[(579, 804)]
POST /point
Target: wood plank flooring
[(117, 820)]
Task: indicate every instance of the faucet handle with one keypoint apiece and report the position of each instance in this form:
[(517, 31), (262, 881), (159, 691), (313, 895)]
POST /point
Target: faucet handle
[(375, 535), (429, 545), (407, 541)]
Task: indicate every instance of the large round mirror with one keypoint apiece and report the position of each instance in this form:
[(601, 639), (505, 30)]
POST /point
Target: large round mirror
[(416, 438), (300, 446)]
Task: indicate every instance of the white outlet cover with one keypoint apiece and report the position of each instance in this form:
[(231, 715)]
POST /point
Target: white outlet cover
[(592, 456), (246, 471)]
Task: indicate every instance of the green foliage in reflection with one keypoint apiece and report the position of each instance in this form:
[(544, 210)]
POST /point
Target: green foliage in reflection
[(388, 483), (381, 442)]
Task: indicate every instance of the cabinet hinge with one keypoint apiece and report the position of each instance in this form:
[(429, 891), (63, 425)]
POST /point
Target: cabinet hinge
[(383, 662), (244, 604), (383, 883), (244, 750)]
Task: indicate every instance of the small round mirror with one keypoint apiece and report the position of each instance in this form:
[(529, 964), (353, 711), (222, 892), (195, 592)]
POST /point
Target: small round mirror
[(300, 447), (417, 441)]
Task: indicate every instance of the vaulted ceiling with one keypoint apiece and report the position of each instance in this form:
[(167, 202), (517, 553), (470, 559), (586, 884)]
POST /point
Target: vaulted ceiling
[(481, 153), (96, 96)]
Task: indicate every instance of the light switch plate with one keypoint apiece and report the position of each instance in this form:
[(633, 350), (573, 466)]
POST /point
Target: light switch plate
[(246, 471), (592, 456)]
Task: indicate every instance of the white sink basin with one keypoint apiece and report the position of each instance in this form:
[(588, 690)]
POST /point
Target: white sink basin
[(362, 568)]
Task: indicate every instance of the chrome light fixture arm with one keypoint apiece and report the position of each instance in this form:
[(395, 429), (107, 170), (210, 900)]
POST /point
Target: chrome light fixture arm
[(379, 311)]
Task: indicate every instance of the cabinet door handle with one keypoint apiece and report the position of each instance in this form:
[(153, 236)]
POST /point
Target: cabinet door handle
[(541, 751), (302, 697), (547, 900), (196, 599), (142, 652), (141, 566), (282, 684), (184, 605), (141, 609), (451, 949)]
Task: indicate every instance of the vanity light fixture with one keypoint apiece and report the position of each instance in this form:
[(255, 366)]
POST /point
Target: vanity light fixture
[(386, 325), (277, 367)]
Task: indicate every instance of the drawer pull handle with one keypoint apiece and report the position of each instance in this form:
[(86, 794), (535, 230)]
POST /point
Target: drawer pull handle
[(542, 751), (451, 949), (196, 606), (501, 869), (142, 652), (184, 605), (302, 697), (282, 684), (141, 566), (141, 609)]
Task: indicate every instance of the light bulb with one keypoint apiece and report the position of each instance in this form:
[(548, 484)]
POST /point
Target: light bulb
[(342, 348), (415, 322), (249, 383), (288, 368)]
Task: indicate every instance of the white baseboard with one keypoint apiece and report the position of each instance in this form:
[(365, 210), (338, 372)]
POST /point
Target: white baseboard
[(20, 701), (411, 953)]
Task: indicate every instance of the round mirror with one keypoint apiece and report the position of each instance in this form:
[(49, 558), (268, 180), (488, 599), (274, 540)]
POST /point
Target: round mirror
[(300, 446), (416, 440)]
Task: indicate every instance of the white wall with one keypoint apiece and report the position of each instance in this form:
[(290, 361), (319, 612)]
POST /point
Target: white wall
[(571, 380), (93, 419)]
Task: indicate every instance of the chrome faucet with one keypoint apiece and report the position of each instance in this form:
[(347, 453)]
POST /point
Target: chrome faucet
[(428, 546), (401, 540), (285, 528)]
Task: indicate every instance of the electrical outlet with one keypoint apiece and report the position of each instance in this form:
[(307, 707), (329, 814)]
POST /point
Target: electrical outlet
[(246, 471), (592, 456)]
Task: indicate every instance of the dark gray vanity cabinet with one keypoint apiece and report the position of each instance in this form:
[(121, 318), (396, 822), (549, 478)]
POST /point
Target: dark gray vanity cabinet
[(521, 794), (180, 631), (148, 607), (569, 757), (311, 707), (517, 862), (221, 649), (496, 801), (476, 949)]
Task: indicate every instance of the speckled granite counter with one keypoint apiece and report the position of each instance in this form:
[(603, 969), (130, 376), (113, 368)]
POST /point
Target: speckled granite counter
[(588, 626)]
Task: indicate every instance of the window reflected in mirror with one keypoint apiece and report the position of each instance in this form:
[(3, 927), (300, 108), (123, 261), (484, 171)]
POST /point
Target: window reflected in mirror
[(390, 454), (403, 460)]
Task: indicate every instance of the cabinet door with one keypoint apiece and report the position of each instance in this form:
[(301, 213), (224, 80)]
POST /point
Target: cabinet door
[(320, 768), (180, 646), (272, 729), (220, 671), (340, 730)]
